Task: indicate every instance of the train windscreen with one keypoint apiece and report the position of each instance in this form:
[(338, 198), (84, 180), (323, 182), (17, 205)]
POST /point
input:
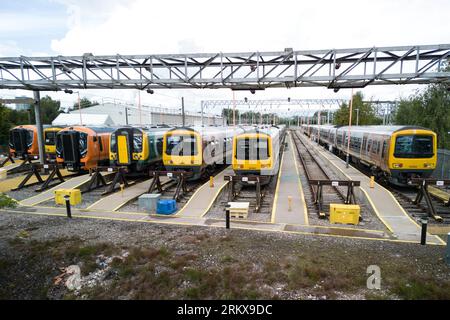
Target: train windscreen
[(181, 145), (414, 146), (50, 138), (252, 149)]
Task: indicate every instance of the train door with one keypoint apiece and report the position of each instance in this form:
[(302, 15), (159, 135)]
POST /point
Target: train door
[(124, 141)]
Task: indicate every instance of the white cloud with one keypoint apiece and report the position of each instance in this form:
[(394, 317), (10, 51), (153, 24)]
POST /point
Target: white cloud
[(180, 26)]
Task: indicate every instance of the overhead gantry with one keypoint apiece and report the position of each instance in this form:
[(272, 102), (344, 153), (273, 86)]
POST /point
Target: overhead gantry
[(331, 68)]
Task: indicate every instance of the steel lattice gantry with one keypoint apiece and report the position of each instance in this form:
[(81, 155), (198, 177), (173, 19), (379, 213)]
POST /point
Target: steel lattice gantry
[(334, 68), (272, 102)]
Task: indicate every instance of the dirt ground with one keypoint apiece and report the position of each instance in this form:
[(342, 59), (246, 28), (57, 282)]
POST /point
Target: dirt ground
[(122, 260)]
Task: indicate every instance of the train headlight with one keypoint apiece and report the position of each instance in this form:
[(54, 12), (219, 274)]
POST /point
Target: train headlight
[(192, 161), (397, 165), (427, 165), (170, 161)]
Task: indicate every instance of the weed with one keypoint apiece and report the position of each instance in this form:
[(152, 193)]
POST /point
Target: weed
[(7, 202)]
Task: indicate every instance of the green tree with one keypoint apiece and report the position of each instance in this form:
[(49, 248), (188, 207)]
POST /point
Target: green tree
[(366, 112), (430, 109), (85, 103)]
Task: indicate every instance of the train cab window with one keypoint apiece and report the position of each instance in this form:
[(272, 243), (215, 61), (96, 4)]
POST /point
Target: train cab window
[(181, 145), (100, 144), (414, 146), (369, 145), (159, 145), (137, 142), (113, 145), (50, 138), (252, 149), (83, 144)]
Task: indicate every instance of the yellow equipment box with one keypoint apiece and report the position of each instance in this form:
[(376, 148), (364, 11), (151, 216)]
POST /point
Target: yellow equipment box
[(74, 194), (344, 213)]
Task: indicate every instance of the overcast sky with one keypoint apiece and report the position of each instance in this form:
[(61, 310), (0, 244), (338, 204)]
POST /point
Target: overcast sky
[(71, 27)]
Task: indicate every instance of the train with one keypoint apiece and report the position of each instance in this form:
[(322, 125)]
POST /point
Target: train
[(257, 151), (136, 147), (80, 148), (198, 149), (23, 141), (393, 153)]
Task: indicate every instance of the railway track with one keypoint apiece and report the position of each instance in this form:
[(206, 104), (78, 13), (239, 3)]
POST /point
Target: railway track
[(406, 197), (314, 171)]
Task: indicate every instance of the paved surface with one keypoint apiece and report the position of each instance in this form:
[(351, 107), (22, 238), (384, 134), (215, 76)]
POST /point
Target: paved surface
[(73, 183), (382, 201), (289, 185), (11, 183), (207, 222), (202, 200), (118, 199)]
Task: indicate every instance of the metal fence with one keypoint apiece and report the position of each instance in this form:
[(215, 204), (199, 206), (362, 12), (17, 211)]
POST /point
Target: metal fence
[(443, 165)]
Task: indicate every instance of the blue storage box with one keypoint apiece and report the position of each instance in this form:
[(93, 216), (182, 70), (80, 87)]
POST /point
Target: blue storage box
[(166, 206)]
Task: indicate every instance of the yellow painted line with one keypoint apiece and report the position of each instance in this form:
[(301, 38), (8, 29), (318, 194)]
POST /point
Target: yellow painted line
[(373, 205), (299, 182), (275, 199), (235, 227), (214, 198), (365, 192), (190, 199), (35, 203)]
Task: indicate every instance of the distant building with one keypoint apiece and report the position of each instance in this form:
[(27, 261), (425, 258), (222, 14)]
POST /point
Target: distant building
[(21, 106), (122, 114), (72, 119)]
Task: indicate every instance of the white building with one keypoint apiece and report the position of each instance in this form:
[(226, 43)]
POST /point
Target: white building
[(122, 114)]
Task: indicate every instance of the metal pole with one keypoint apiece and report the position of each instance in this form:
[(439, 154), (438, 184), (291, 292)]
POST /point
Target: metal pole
[(347, 158), (202, 111), (79, 108), (40, 130), (126, 115), (423, 236), (69, 213), (357, 116), (227, 216), (182, 112), (447, 251), (140, 111)]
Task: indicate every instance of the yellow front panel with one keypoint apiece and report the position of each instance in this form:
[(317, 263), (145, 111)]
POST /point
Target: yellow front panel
[(412, 163), (122, 149), (241, 164), (170, 160)]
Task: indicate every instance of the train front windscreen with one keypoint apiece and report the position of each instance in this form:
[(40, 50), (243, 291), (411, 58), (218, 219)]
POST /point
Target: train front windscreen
[(181, 145), (414, 146), (252, 149)]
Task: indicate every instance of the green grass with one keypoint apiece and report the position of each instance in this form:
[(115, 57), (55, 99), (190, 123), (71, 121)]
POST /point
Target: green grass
[(7, 202)]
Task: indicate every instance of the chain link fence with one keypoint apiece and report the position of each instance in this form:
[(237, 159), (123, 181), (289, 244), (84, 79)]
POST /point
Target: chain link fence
[(443, 165)]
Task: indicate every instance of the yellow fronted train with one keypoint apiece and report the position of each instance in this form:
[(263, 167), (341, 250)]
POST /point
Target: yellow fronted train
[(394, 153)]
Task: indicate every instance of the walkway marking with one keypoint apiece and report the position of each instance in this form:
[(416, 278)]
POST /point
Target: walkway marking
[(75, 215), (275, 199), (388, 226)]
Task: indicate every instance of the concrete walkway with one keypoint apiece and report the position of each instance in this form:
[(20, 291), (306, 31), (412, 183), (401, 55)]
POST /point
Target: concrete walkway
[(115, 201), (202, 200), (73, 183), (383, 203), (205, 222), (289, 185)]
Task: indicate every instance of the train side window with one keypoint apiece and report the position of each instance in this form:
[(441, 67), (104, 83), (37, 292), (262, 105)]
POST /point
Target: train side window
[(100, 143), (383, 151), (369, 145)]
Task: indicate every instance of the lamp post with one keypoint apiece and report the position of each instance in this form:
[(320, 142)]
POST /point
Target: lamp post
[(347, 157)]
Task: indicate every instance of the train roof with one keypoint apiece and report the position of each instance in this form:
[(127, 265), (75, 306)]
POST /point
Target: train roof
[(204, 129), (373, 128), (96, 129), (381, 129)]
